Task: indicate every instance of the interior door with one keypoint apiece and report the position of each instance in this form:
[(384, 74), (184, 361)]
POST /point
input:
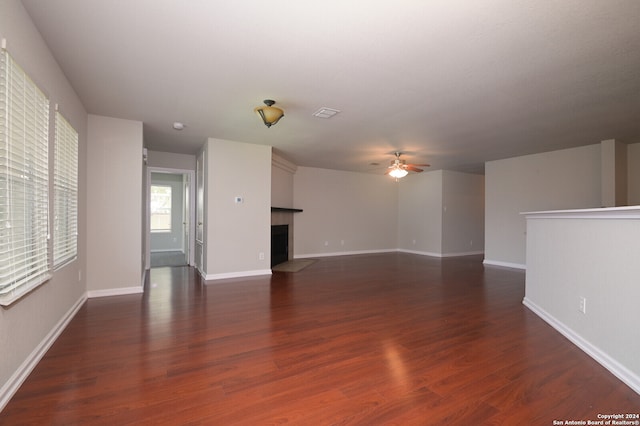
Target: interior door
[(199, 246), (185, 217)]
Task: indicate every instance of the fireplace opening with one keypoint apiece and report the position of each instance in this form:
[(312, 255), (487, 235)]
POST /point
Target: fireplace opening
[(279, 244)]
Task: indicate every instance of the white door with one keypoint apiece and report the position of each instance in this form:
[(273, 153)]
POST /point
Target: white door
[(199, 246), (185, 217)]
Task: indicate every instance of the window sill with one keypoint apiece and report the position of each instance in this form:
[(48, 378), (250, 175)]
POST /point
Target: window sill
[(13, 296)]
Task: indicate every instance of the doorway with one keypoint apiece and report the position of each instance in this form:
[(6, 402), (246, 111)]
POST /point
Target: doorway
[(170, 207)]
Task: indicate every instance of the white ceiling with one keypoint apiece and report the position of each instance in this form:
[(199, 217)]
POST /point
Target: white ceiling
[(454, 82)]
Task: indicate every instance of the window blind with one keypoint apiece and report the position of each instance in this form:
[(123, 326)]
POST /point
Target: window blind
[(24, 182), (65, 192)]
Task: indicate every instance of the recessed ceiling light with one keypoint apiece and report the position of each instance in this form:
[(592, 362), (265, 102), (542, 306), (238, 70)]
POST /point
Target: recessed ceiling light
[(178, 125), (325, 112)]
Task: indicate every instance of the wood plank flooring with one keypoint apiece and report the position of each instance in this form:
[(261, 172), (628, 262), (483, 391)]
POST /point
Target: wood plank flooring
[(366, 340)]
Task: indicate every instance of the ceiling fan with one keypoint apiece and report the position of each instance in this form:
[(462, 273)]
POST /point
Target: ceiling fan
[(399, 168)]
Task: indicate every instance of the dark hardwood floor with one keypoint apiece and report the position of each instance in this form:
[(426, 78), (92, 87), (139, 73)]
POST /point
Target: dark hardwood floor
[(368, 339)]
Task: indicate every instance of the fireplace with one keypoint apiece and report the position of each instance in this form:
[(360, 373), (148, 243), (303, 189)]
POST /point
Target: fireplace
[(279, 244), (282, 234)]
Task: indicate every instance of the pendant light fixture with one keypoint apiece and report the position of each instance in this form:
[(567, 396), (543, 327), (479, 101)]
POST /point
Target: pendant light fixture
[(270, 115)]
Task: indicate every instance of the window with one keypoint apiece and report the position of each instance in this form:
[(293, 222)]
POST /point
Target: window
[(160, 208), (65, 193), (24, 182)]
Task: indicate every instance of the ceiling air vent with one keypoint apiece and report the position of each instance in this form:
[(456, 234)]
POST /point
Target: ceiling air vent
[(325, 112)]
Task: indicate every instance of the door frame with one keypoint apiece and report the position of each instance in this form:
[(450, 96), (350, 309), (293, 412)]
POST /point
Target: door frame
[(191, 207)]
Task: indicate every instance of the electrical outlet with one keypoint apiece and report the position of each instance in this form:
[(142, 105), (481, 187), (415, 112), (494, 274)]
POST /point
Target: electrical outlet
[(583, 305), (341, 242), (326, 243), (261, 256)]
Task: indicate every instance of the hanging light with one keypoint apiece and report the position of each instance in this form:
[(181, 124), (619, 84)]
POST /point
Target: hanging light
[(398, 172), (269, 114), (397, 169)]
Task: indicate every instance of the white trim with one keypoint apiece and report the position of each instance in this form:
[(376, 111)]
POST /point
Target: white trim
[(433, 254), (283, 164), (421, 253), (168, 250), (21, 291), (241, 274), (627, 212), (114, 292), (20, 375), (63, 264), (463, 253), (620, 371), (349, 253), (504, 264)]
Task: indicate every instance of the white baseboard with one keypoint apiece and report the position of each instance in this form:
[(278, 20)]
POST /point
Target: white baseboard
[(620, 371), (20, 375), (342, 253), (463, 253), (422, 253), (241, 274), (504, 264), (114, 292), (434, 254)]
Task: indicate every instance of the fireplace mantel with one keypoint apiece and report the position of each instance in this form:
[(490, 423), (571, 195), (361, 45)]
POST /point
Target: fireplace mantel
[(285, 209)]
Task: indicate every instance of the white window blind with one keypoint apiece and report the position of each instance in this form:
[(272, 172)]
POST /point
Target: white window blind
[(24, 182), (65, 193)]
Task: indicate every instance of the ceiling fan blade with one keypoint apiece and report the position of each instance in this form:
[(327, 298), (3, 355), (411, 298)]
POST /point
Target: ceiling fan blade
[(419, 165), (410, 167)]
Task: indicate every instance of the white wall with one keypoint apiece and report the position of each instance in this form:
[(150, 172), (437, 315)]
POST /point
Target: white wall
[(420, 213), (170, 160), (565, 179), (282, 188), (351, 212), (613, 172), (441, 213), (462, 213), (114, 206), (282, 172), (29, 325), (593, 255), (236, 233), (633, 171)]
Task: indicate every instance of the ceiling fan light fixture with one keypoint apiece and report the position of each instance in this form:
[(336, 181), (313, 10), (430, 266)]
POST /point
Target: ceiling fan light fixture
[(398, 172), (270, 115)]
